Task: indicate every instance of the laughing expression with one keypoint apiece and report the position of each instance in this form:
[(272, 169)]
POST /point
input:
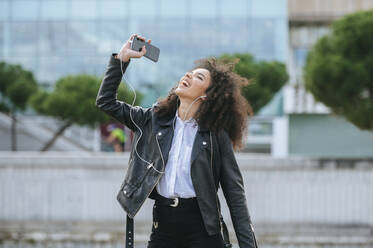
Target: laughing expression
[(193, 84)]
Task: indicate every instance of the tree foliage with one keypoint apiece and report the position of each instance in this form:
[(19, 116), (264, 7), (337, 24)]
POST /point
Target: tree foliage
[(73, 102), (338, 70), (17, 85), (267, 77)]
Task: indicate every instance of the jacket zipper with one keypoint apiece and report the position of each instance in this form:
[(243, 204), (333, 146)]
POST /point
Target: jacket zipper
[(163, 168), (157, 178), (253, 235)]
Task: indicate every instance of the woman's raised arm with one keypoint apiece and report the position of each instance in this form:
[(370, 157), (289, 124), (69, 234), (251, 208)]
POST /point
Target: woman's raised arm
[(107, 95)]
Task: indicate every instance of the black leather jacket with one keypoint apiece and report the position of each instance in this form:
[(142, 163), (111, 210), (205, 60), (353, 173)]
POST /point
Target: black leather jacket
[(154, 146)]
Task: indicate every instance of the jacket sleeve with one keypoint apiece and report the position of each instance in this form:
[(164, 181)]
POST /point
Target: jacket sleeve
[(234, 192), (107, 97)]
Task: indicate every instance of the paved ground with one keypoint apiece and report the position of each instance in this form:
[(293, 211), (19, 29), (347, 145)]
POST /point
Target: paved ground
[(35, 234)]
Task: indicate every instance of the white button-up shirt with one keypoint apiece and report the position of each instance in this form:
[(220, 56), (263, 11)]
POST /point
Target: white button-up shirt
[(177, 181)]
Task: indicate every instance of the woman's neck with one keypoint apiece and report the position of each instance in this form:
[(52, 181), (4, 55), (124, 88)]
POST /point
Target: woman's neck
[(186, 111)]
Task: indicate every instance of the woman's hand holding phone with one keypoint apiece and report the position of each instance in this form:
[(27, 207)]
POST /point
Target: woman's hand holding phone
[(126, 52)]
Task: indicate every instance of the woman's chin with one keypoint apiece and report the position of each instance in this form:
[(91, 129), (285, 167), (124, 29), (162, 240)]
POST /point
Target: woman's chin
[(180, 92)]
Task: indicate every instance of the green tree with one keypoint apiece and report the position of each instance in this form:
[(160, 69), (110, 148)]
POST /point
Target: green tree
[(266, 77), (73, 102), (338, 70), (16, 87)]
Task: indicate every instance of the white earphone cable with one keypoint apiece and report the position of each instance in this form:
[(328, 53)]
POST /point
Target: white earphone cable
[(140, 130)]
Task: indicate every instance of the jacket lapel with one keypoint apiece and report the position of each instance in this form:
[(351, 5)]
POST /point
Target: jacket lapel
[(163, 132), (200, 143), (164, 137)]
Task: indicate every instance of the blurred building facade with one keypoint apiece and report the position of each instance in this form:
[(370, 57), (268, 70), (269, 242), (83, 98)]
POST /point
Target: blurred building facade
[(54, 38), (304, 126), (58, 37)]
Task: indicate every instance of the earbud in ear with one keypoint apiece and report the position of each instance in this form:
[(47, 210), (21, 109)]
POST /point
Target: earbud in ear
[(203, 96)]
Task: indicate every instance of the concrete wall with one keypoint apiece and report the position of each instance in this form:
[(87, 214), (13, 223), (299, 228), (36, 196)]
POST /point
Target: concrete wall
[(76, 193), (327, 136)]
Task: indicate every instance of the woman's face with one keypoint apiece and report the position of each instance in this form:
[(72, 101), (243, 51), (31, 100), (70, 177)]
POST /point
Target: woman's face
[(193, 84)]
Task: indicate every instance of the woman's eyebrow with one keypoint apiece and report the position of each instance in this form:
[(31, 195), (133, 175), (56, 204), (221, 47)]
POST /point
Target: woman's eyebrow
[(201, 74)]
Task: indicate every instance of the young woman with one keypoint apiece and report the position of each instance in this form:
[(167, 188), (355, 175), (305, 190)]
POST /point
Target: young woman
[(183, 150)]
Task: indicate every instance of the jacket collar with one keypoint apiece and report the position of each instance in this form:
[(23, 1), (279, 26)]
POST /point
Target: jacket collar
[(202, 129), (163, 122), (166, 122), (163, 128)]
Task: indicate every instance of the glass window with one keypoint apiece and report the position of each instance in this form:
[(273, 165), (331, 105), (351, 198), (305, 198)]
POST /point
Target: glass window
[(203, 9), (23, 40), (83, 9), (5, 32), (144, 9), (268, 8), (4, 10), (101, 64), (75, 65), (82, 38), (25, 9), (52, 38), (261, 38), (2, 41), (300, 54), (53, 9), (235, 37), (281, 37), (52, 68), (204, 39), (26, 63), (170, 38), (172, 8), (113, 9), (111, 36), (238, 8), (83, 64), (150, 29)]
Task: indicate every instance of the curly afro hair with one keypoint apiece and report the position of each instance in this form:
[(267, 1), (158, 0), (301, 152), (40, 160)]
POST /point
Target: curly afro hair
[(224, 108)]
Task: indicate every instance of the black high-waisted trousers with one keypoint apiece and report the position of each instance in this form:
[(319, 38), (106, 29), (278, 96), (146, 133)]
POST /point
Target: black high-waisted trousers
[(181, 227)]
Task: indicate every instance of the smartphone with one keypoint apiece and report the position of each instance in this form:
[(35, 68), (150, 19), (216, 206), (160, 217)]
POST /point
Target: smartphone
[(152, 52)]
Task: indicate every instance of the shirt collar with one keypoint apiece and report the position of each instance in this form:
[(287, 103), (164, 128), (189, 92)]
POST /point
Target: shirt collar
[(189, 121)]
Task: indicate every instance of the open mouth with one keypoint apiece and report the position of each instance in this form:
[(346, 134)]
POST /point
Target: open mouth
[(185, 83)]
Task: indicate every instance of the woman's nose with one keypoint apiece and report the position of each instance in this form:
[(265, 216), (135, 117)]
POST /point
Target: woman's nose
[(188, 74)]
